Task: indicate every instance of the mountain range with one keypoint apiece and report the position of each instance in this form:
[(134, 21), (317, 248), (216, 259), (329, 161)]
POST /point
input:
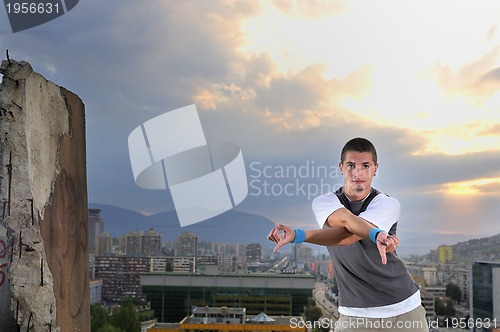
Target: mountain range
[(235, 226), (413, 243), (229, 227), (486, 248)]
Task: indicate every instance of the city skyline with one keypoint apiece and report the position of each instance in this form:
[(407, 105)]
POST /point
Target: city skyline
[(290, 82), (467, 250)]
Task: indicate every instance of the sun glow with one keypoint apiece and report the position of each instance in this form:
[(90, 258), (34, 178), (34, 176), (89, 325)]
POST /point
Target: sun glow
[(473, 187), (423, 75)]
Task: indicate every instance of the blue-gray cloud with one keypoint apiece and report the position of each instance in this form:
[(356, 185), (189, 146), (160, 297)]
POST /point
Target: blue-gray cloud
[(130, 61)]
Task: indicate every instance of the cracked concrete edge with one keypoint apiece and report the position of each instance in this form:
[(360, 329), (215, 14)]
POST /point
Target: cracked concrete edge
[(32, 129)]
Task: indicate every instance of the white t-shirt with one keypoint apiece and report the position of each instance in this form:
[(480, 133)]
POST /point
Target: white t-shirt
[(383, 212)]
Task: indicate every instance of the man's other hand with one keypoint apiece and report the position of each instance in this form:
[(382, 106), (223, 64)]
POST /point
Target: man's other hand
[(386, 243), (281, 235)]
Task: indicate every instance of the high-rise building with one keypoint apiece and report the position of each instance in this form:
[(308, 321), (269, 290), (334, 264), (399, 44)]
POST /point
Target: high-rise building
[(104, 244), (204, 247), (241, 250), (120, 276), (485, 294), (151, 243), (463, 282), (187, 245), (133, 243), (305, 253), (232, 250), (254, 253), (444, 254), (96, 227), (142, 243)]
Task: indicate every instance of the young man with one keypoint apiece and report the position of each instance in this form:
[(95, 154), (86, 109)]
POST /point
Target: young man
[(376, 292)]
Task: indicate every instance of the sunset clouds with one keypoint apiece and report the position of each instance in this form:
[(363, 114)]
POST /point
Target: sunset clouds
[(290, 82)]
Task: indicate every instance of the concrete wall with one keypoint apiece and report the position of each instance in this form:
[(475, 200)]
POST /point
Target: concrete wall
[(43, 197)]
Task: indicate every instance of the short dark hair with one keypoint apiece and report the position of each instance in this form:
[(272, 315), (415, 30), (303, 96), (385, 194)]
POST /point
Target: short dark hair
[(359, 144)]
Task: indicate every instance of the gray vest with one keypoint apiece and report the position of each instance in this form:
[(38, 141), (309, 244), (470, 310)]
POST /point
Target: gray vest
[(362, 279)]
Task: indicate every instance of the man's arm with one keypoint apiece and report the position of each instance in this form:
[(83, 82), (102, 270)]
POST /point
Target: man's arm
[(382, 212), (330, 236), (283, 234), (343, 227), (324, 207), (346, 237), (343, 218)]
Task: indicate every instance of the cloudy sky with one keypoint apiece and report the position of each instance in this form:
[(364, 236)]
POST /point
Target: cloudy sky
[(290, 83)]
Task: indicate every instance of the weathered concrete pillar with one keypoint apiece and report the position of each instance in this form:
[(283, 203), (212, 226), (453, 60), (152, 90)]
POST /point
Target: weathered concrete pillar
[(43, 205)]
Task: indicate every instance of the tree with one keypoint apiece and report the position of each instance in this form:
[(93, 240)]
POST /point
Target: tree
[(108, 328), (450, 310), (312, 314), (145, 315), (444, 307), (125, 317), (453, 292), (439, 307), (99, 317)]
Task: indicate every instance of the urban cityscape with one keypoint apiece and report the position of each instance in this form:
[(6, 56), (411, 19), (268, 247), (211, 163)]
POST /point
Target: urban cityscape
[(189, 284)]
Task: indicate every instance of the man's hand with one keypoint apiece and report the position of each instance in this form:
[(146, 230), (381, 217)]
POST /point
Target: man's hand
[(386, 243), (281, 238)]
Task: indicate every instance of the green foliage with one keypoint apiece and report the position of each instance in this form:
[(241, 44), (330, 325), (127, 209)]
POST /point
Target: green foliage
[(125, 317), (444, 307), (439, 307), (108, 328), (122, 319), (99, 317), (450, 310), (484, 247), (312, 313), (145, 315), (453, 292)]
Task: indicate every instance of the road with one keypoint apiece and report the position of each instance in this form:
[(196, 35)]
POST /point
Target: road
[(328, 308)]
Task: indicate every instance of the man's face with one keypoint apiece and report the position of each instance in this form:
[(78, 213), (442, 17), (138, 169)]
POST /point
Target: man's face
[(358, 169)]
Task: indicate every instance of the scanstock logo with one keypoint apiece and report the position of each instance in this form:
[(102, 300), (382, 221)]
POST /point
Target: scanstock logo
[(26, 14), (171, 151)]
